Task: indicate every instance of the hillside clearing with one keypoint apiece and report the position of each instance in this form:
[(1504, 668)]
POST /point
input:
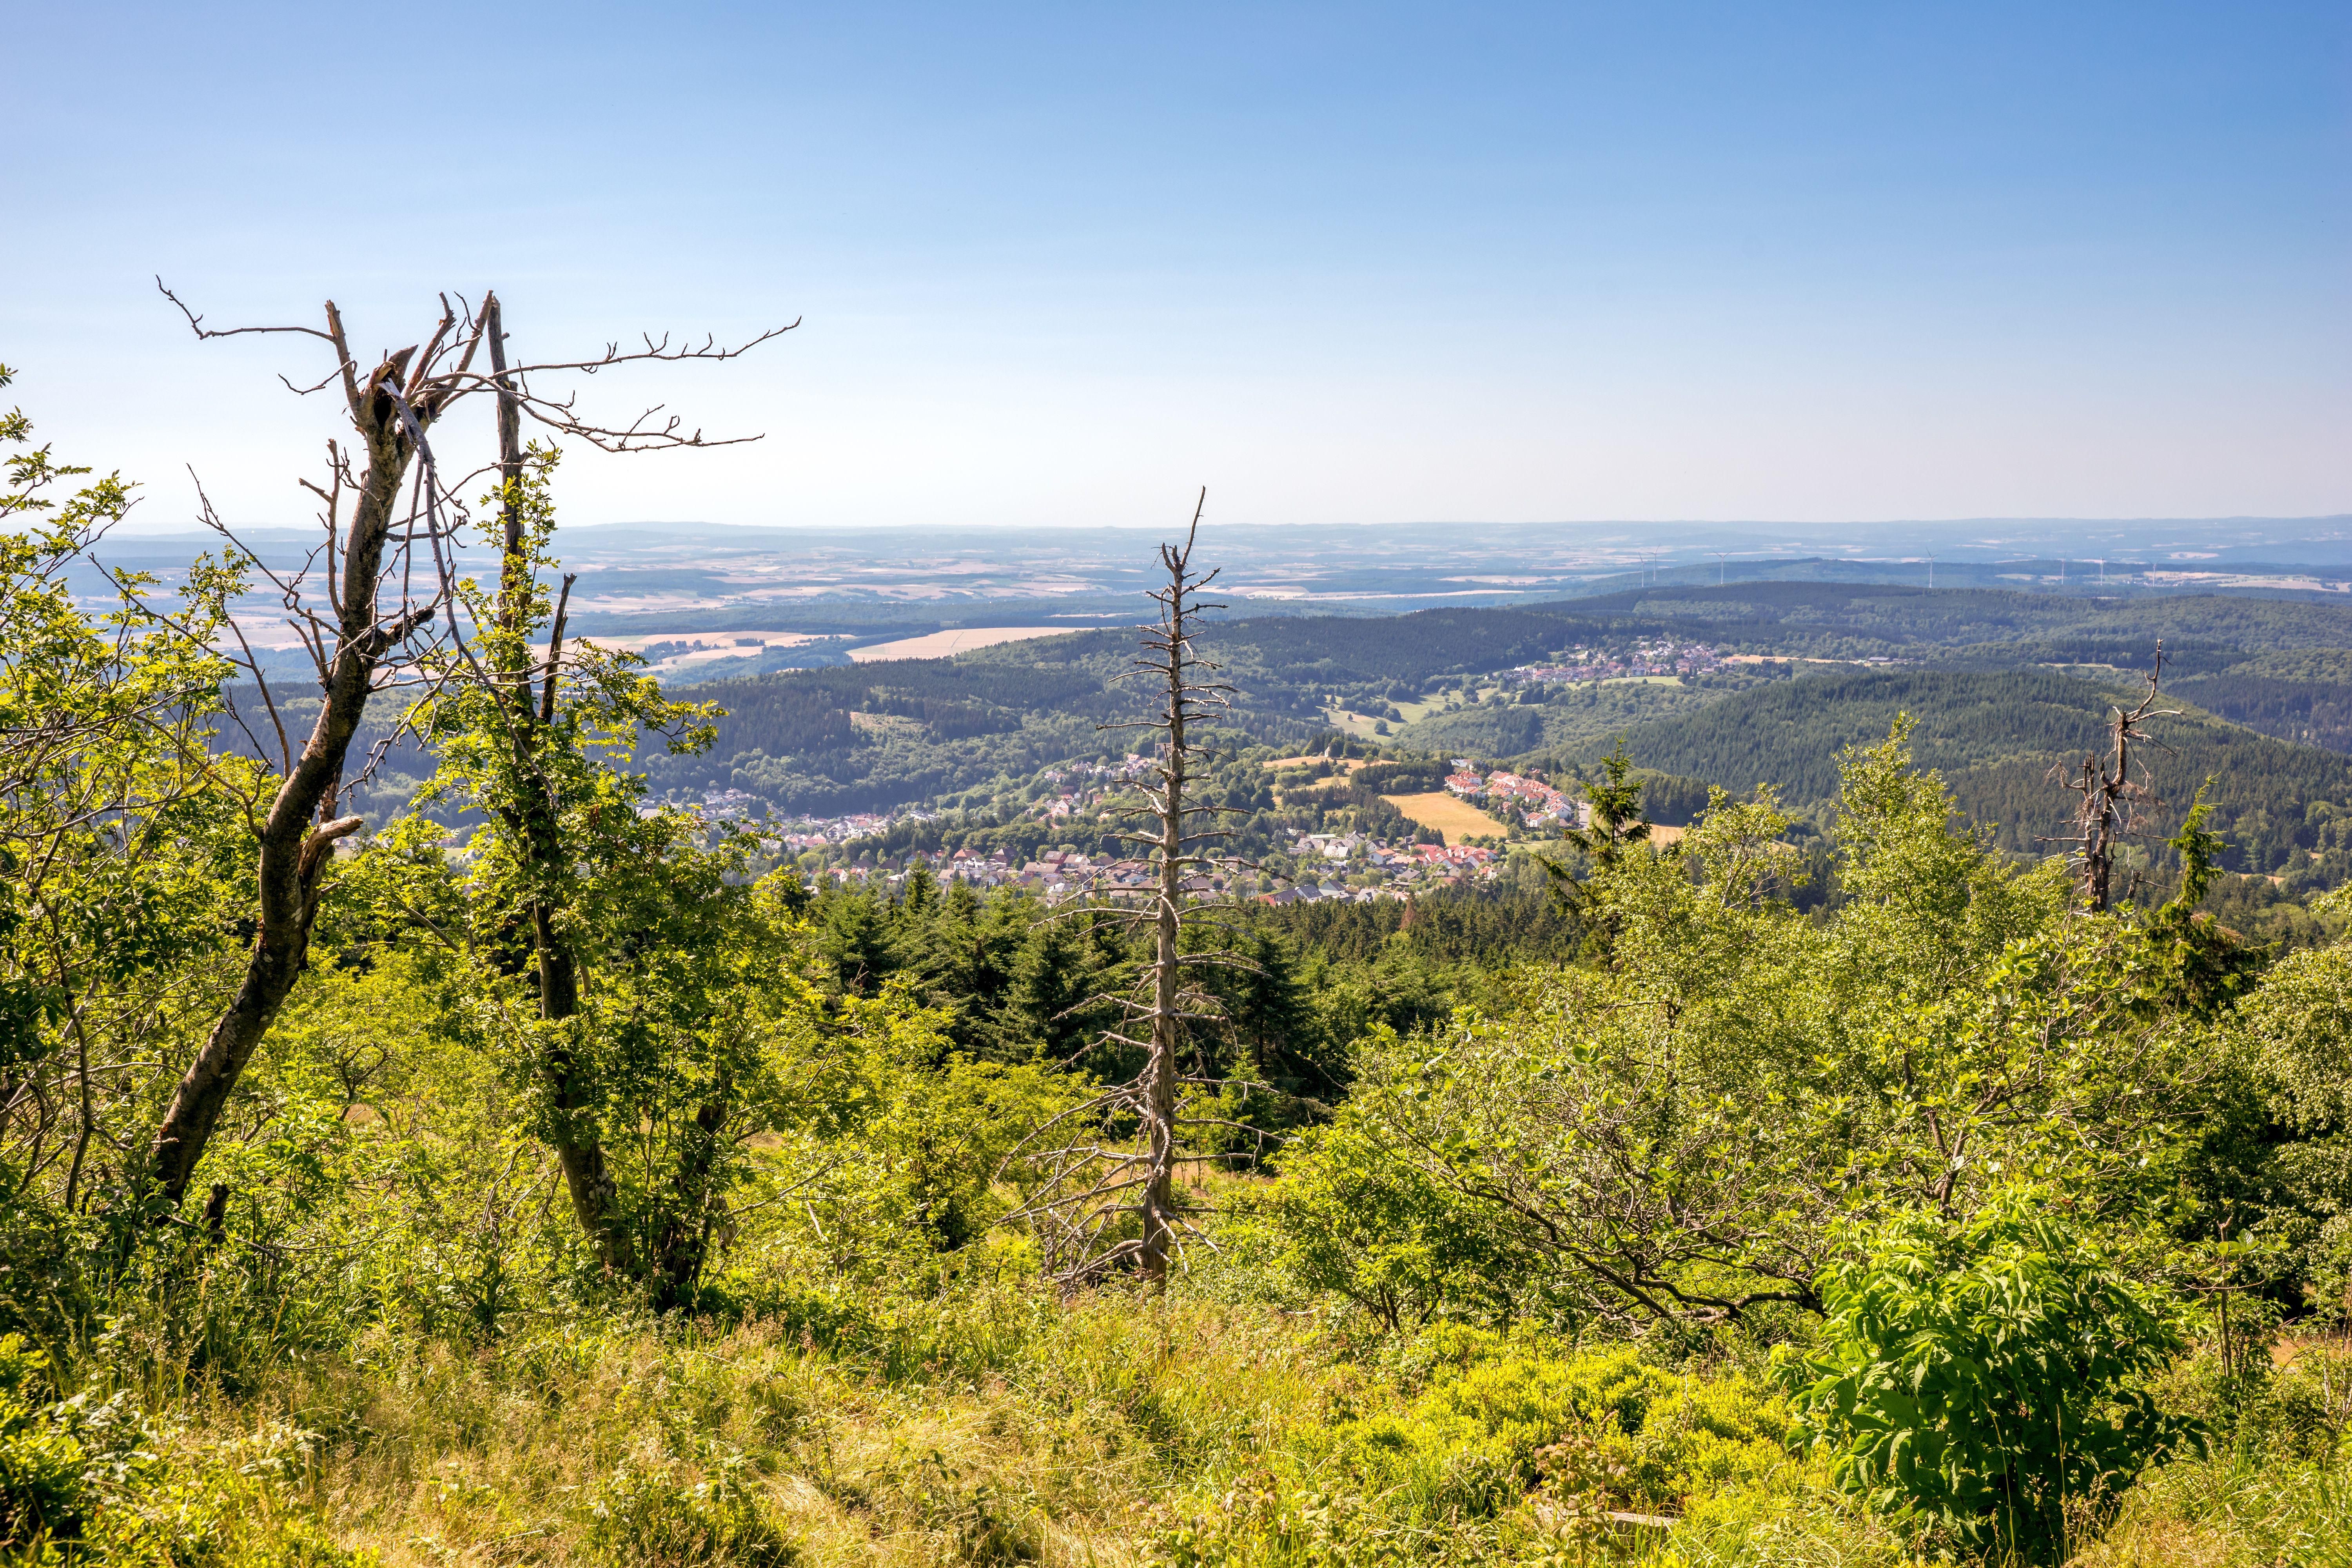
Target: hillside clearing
[(1346, 764), (1450, 815)]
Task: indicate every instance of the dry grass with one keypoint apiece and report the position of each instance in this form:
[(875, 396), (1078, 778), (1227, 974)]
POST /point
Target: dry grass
[(1452, 815), (1013, 1429), (2163, 1544)]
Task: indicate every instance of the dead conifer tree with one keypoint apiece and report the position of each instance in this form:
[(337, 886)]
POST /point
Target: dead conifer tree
[(2117, 792), (365, 605), (1107, 1201)]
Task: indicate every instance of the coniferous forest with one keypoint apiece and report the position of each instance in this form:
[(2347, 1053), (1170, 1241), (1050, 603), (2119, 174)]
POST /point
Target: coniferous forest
[(1804, 1158)]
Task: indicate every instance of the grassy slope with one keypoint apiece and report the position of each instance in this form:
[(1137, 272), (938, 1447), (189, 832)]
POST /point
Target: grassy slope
[(998, 1424)]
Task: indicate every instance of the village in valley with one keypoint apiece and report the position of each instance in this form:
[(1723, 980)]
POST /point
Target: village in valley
[(1456, 835), (1650, 658)]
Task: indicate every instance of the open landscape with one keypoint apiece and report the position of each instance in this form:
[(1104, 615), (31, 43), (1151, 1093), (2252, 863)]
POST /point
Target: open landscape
[(1493, 786)]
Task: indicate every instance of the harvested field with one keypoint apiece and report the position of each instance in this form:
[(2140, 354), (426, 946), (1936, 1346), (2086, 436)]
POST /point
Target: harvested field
[(962, 640), (1450, 815)]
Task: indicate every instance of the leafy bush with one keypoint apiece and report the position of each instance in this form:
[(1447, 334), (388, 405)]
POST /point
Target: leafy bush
[(1350, 1220), (1980, 1378), (1510, 1453), (41, 1491), (644, 1519)]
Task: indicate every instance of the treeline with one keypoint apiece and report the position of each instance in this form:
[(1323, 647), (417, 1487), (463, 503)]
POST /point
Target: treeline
[(2309, 712), (2010, 627), (1014, 981)]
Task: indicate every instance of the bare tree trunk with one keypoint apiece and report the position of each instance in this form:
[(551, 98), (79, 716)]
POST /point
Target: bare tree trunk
[(2113, 796), (296, 838), (1158, 1202), (1091, 1189)]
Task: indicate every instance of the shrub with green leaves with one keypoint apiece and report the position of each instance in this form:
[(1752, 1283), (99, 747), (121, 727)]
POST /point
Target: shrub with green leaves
[(1505, 1455), (1981, 1378), (41, 1491)]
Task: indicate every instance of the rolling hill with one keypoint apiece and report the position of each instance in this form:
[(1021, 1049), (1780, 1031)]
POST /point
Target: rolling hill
[(2286, 808)]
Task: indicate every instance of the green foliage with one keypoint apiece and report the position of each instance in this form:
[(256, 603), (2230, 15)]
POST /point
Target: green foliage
[(1351, 1220), (1985, 1378), (2295, 1170), (642, 1519), (1515, 1456), (1675, 1136), (120, 849), (42, 1495)]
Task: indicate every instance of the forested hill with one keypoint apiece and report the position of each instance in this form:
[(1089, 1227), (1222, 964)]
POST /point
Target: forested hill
[(1846, 620), (1994, 735), (874, 736)]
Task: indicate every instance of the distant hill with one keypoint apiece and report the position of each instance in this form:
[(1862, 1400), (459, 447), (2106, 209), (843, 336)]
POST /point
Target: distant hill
[(1994, 736), (2007, 626), (1993, 713)]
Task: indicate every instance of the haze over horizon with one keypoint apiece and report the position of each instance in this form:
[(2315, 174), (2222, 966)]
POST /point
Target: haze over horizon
[(1057, 267)]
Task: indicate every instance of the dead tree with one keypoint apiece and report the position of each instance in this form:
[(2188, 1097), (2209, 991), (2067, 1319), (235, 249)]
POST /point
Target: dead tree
[(1107, 1200), (364, 605), (2117, 792)]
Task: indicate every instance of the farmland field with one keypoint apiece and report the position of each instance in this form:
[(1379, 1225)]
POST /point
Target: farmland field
[(1450, 815), (962, 639)]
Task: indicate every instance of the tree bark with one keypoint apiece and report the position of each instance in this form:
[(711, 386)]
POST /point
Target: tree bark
[(684, 1240), (296, 843), (1159, 1072)]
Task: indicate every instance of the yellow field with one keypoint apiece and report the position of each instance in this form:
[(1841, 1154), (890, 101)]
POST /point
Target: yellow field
[(940, 644), (1450, 815)]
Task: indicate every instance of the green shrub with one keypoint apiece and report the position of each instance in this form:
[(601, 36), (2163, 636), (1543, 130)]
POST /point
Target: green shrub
[(641, 1519), (1508, 1455), (1981, 1378), (1352, 1219), (2304, 1409), (42, 1494)]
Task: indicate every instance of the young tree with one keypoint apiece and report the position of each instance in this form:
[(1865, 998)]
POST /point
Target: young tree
[(1616, 824), (385, 573), (540, 745), (1984, 1380), (110, 822)]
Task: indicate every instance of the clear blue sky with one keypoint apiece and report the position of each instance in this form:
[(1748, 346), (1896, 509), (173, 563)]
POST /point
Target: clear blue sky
[(1058, 265)]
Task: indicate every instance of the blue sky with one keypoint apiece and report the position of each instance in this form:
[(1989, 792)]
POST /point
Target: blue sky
[(1058, 265)]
